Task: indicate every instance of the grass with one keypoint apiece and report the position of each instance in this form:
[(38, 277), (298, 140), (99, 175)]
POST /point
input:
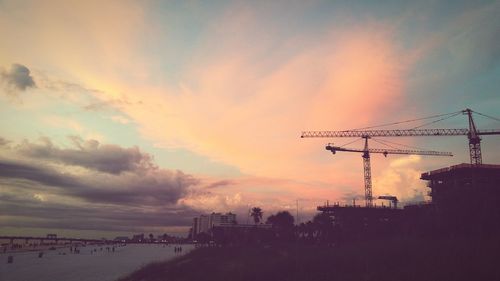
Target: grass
[(396, 259)]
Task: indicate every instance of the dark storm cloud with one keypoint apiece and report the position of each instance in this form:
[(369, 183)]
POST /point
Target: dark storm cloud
[(45, 176), (153, 188), (121, 189), (18, 77), (91, 154), (56, 215)]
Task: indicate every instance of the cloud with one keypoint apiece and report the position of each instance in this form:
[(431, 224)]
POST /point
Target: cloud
[(352, 195), (91, 154), (4, 142), (87, 187), (154, 188), (402, 179), (120, 119), (45, 176), (49, 214), (18, 77), (219, 184)]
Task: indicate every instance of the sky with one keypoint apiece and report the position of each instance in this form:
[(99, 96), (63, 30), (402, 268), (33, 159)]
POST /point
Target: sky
[(122, 117)]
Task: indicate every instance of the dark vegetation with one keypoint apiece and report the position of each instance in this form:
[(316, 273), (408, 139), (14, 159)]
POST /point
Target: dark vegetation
[(390, 259)]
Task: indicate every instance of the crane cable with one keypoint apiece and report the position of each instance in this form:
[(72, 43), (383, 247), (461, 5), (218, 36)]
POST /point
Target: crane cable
[(484, 115), (395, 143), (357, 139), (435, 121), (408, 121), (381, 142), (444, 117)]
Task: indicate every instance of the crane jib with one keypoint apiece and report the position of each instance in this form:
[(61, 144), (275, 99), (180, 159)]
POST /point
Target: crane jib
[(389, 151), (395, 133)]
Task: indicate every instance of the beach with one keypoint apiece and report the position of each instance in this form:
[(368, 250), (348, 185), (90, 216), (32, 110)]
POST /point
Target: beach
[(90, 264)]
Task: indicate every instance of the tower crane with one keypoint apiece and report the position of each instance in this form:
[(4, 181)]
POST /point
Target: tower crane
[(473, 134), (367, 166)]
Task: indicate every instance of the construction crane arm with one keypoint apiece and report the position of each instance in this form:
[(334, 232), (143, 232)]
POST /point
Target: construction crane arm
[(334, 149), (394, 133)]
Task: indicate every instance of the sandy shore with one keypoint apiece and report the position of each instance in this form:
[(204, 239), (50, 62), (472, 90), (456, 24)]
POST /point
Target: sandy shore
[(90, 264)]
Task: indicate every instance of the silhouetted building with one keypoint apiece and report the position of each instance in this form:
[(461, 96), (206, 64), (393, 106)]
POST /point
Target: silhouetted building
[(203, 223), (51, 236), (464, 183), (194, 228), (466, 198), (357, 221)]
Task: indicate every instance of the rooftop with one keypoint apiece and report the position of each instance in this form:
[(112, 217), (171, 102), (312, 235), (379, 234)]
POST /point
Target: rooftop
[(461, 168)]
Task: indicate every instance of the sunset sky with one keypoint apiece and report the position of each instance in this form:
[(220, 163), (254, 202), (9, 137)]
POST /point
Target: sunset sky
[(135, 116)]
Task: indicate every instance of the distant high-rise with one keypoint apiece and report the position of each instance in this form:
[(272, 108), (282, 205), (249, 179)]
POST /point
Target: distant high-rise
[(218, 219), (204, 223)]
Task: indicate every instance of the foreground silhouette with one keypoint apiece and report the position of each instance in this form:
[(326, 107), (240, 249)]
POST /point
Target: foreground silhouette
[(454, 237), (394, 259)]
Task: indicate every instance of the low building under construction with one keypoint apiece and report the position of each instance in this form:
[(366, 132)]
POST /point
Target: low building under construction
[(465, 201)]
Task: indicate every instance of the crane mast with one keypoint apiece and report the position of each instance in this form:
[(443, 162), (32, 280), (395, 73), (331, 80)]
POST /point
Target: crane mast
[(474, 140), (367, 175)]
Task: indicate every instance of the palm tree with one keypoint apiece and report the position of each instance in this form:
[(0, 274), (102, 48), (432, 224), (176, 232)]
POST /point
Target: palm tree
[(256, 214)]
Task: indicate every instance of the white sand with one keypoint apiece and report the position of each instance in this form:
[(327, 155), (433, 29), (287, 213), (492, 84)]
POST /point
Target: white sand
[(101, 266)]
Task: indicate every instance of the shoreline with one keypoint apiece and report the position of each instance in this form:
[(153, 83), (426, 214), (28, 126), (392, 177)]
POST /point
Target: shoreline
[(47, 247), (90, 264)]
